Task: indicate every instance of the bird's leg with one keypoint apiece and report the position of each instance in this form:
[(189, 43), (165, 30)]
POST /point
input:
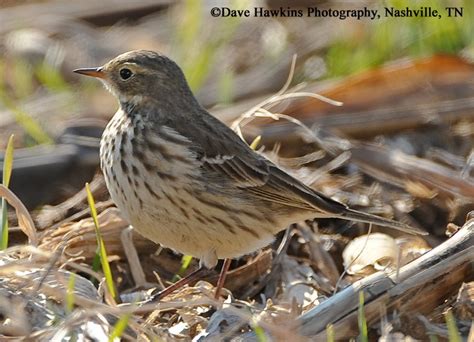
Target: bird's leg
[(201, 272), (222, 276)]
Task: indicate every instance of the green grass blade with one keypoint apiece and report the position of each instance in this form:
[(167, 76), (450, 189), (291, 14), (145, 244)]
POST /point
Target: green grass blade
[(4, 221), (330, 333), (362, 322), (95, 265), (96, 260), (7, 172), (31, 126), (8, 162), (51, 78), (255, 142), (100, 242), (260, 333), (189, 26), (453, 331), (119, 327), (70, 299), (185, 262)]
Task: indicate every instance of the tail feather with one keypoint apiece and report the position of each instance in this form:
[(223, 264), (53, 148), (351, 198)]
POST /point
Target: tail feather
[(358, 216)]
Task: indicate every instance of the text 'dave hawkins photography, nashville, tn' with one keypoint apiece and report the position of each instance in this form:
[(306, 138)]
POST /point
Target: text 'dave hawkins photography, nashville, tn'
[(338, 13)]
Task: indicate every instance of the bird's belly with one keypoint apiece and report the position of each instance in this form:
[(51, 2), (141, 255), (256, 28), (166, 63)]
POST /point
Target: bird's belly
[(191, 237), (182, 222)]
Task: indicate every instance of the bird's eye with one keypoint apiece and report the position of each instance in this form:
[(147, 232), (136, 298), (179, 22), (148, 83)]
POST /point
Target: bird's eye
[(125, 73)]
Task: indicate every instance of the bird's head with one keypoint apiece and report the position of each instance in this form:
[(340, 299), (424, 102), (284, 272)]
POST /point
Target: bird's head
[(141, 74)]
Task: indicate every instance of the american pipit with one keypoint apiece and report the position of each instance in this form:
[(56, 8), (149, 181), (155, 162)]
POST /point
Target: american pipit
[(185, 180)]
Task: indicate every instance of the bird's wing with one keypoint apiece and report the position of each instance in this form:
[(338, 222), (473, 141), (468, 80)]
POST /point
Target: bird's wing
[(226, 157), (272, 184), (285, 189), (247, 170)]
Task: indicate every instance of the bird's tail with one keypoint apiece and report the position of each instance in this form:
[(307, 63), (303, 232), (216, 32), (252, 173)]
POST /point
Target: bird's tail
[(358, 216)]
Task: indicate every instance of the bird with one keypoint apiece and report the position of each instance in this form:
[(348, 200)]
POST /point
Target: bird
[(185, 180)]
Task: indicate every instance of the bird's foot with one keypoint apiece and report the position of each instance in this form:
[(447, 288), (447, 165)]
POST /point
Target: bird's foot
[(222, 276)]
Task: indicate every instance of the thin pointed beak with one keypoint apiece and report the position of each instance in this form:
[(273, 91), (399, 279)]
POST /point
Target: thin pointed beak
[(94, 72)]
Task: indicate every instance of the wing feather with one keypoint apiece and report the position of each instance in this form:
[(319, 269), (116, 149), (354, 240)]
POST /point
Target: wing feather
[(243, 174)]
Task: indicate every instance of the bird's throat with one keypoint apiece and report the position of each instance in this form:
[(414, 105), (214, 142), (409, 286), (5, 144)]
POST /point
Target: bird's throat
[(131, 105)]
